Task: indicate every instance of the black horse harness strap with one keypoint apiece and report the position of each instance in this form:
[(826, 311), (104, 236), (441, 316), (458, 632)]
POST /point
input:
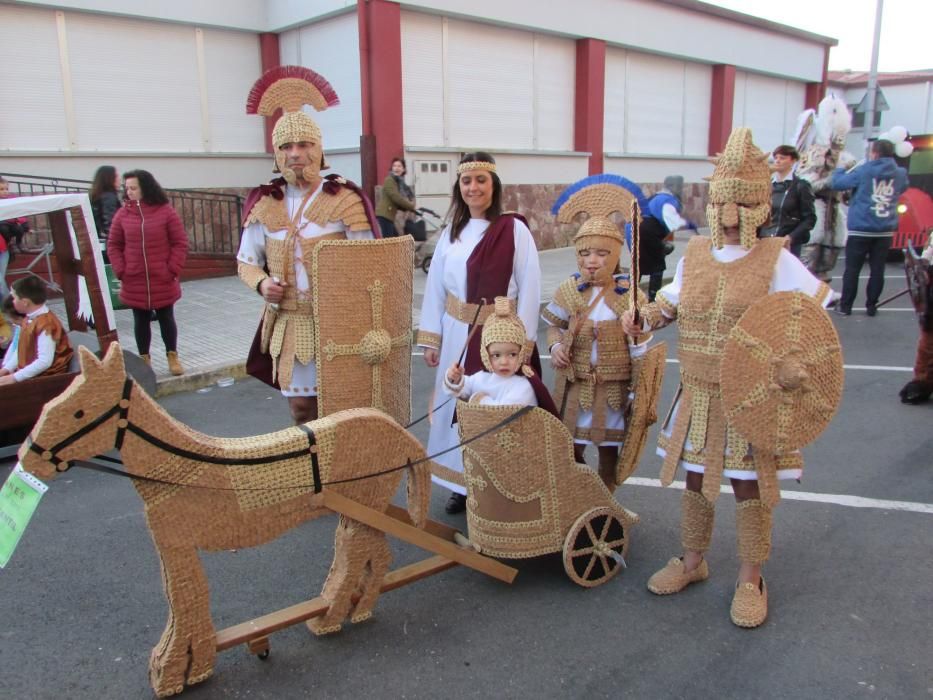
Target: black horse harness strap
[(312, 449), (121, 409)]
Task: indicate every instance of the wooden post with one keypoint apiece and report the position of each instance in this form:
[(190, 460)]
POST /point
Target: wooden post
[(64, 257), (88, 264)]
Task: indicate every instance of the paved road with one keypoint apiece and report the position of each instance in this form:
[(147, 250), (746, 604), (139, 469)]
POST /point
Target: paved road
[(851, 602)]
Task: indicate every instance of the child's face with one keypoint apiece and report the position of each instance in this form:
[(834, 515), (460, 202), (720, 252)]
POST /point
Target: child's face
[(504, 358), (592, 260), (4, 189)]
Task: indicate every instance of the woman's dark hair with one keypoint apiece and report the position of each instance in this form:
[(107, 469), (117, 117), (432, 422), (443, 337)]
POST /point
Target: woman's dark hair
[(151, 190), (103, 181), (399, 159), (786, 150), (459, 213)]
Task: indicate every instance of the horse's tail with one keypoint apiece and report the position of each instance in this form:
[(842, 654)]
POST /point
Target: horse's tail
[(419, 491)]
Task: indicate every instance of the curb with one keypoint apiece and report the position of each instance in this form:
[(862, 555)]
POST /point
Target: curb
[(192, 381)]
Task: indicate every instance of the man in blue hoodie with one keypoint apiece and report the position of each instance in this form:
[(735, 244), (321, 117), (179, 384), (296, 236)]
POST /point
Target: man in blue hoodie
[(877, 185)]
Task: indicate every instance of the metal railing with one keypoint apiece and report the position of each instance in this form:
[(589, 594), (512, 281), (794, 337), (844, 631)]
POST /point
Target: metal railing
[(212, 219)]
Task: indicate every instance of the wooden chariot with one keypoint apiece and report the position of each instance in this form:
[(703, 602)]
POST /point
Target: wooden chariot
[(527, 496)]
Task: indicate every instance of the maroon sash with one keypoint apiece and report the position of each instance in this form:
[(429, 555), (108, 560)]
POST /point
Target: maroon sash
[(489, 269), (543, 396)]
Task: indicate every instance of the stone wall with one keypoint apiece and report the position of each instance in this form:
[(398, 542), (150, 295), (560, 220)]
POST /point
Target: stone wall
[(534, 202)]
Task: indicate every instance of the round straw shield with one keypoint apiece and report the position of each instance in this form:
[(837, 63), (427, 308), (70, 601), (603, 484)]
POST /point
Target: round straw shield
[(781, 374)]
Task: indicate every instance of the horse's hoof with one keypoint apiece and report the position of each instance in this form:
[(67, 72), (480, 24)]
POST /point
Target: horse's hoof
[(320, 629), (362, 617), (168, 692), (200, 677)]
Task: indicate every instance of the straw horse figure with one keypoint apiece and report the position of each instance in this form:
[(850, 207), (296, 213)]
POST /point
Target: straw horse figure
[(209, 493)]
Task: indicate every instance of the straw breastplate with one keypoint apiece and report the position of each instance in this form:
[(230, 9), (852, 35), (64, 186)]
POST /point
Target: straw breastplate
[(614, 362), (715, 298)]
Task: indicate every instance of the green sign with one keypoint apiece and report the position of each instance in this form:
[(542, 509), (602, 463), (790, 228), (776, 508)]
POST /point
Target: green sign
[(18, 500)]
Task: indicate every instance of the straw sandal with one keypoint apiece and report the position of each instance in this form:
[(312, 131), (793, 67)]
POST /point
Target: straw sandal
[(673, 579), (750, 604)]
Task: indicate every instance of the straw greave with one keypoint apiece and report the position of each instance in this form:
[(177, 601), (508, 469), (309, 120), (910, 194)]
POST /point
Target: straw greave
[(696, 525), (753, 531)]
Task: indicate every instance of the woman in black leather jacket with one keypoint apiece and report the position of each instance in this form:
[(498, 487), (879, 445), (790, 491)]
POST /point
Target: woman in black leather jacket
[(792, 211)]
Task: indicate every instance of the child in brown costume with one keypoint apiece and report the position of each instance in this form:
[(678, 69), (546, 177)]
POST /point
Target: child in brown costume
[(43, 346), (716, 281)]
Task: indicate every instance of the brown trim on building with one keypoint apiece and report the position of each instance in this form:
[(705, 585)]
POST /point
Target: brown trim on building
[(590, 100), (722, 102), (270, 58)]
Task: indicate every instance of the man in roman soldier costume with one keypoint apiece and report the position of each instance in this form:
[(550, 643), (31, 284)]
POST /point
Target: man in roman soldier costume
[(760, 364), (286, 219), (592, 355), (821, 138)]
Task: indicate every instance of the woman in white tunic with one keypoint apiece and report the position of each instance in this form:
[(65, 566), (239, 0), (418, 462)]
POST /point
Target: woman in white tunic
[(481, 254)]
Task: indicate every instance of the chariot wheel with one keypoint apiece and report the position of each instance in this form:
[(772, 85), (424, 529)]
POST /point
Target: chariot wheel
[(595, 547)]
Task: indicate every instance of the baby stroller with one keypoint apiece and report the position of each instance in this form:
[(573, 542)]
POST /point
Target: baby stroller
[(425, 243)]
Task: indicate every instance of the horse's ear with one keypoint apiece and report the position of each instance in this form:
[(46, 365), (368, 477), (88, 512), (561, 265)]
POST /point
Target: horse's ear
[(113, 360), (89, 363)]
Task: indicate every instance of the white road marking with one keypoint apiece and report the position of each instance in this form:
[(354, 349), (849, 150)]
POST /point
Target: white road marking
[(835, 499)]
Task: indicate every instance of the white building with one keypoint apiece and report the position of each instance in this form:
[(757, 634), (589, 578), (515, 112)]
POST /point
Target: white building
[(556, 91)]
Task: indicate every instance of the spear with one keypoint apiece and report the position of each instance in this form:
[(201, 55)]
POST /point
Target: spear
[(634, 271)]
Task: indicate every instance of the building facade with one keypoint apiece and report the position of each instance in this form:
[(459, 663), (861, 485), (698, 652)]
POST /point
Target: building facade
[(557, 91)]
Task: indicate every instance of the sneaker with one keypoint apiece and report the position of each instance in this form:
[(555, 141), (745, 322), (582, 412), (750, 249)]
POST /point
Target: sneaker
[(749, 604), (673, 579), (871, 310), (842, 311)]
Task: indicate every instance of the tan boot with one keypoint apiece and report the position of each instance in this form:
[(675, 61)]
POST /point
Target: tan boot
[(174, 365), (753, 530), (145, 358)]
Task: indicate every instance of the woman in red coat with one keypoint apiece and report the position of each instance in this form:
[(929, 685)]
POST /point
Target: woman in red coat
[(147, 246)]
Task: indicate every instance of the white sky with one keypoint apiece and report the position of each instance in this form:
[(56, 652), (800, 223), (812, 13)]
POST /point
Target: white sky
[(906, 28)]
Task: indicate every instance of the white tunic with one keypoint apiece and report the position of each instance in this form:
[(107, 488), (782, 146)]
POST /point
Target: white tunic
[(790, 275), (615, 419), (448, 274), (500, 391), (253, 252)]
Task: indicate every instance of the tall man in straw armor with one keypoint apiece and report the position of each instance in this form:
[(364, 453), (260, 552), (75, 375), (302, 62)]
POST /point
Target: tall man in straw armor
[(759, 358), (286, 219)]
